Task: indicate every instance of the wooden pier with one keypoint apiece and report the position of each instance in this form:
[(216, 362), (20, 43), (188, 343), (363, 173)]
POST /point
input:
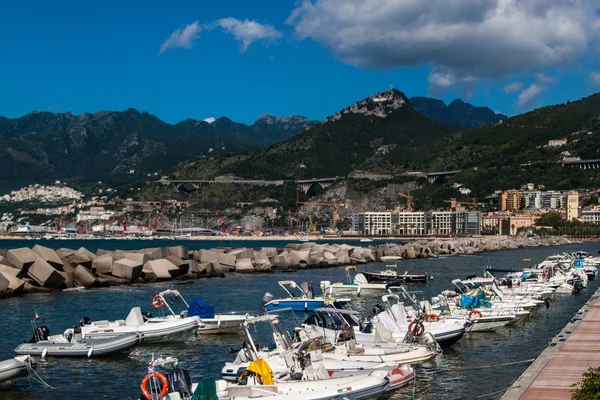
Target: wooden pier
[(557, 371)]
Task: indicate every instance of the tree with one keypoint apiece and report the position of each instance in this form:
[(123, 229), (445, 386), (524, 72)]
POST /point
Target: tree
[(590, 386), (552, 219)]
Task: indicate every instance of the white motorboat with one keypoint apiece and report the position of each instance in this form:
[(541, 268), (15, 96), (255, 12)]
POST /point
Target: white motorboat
[(299, 299), (14, 368), (391, 258), (43, 344), (211, 323), (366, 240), (359, 286), (173, 328)]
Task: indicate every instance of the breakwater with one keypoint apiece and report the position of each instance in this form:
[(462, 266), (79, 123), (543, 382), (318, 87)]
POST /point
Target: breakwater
[(41, 269)]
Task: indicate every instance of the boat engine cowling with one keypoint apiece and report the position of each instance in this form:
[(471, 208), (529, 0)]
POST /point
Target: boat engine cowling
[(429, 341), (267, 297)]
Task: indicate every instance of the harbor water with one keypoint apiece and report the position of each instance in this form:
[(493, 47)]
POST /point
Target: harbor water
[(479, 366)]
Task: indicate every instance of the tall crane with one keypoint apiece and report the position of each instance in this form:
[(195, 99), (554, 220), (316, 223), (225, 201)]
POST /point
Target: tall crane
[(335, 216), (454, 203), (408, 198)]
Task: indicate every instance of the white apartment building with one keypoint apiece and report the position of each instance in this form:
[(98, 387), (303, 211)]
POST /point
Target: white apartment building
[(409, 223), (591, 216), (441, 222), (372, 223), (95, 215)]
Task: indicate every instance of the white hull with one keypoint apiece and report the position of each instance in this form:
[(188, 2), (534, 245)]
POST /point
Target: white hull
[(222, 324), (13, 369)]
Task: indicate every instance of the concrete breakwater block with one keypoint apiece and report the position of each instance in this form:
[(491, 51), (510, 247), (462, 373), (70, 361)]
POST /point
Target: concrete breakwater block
[(83, 250), (153, 253), (9, 270), (206, 256), (227, 261), (242, 253), (103, 264), (49, 256), (81, 257), (45, 275), (22, 259), (127, 269), (282, 261), (140, 258), (162, 268), (181, 265), (63, 252), (244, 265), (178, 251), (15, 285), (82, 276)]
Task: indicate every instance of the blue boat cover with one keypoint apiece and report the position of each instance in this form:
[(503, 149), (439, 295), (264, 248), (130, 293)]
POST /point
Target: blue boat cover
[(201, 309)]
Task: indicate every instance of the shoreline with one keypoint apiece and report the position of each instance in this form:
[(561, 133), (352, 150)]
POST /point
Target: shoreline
[(40, 269)]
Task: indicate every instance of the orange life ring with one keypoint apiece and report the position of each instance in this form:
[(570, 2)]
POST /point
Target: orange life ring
[(158, 301), (416, 328), (474, 312), (432, 317), (163, 382)]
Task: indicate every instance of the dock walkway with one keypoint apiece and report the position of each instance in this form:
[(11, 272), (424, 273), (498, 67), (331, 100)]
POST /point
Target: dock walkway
[(575, 349)]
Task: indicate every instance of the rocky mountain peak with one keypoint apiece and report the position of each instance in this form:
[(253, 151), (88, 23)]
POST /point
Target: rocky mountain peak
[(380, 105)]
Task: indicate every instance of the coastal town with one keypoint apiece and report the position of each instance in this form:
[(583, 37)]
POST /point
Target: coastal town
[(62, 210)]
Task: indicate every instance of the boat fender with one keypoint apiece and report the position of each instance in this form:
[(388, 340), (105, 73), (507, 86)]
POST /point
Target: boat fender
[(90, 351), (44, 352), (158, 301), (148, 395), (474, 312), (416, 328)]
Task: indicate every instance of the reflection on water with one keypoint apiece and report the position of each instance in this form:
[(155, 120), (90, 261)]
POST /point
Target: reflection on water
[(462, 372)]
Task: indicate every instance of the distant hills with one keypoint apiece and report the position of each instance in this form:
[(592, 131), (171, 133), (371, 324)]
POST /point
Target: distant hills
[(109, 145), (384, 134), (457, 113)]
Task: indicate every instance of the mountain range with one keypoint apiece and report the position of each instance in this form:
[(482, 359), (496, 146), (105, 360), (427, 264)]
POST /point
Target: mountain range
[(124, 145), (384, 134), (457, 113)]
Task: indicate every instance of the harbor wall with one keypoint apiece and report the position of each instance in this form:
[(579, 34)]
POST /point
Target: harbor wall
[(41, 269)]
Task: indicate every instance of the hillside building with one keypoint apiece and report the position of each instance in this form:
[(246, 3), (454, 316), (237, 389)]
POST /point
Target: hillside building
[(510, 200), (557, 142), (372, 223), (591, 216), (572, 205)]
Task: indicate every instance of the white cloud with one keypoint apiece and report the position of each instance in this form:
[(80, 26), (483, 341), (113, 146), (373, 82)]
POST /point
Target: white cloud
[(182, 37), (595, 77), (544, 78), (513, 87), (482, 39), (210, 120), (528, 96), (248, 31)]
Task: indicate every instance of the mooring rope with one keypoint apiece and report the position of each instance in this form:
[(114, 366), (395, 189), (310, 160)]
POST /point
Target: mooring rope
[(530, 360)]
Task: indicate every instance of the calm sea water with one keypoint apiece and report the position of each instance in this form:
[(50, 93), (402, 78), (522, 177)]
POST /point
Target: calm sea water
[(468, 370)]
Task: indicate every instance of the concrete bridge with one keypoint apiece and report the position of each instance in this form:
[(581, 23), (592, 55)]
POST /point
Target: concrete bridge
[(432, 177), (196, 183), (583, 164), (307, 184)]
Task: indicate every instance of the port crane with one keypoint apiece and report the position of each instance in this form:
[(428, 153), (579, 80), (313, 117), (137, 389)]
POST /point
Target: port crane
[(455, 203), (408, 198), (335, 215)]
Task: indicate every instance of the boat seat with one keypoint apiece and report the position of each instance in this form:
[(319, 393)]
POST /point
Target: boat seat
[(121, 322), (58, 339)]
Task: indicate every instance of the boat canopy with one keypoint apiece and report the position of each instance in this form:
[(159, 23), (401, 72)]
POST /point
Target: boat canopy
[(201, 309)]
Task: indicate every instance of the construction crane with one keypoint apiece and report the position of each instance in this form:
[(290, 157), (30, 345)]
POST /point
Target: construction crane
[(335, 217), (455, 204), (408, 198)]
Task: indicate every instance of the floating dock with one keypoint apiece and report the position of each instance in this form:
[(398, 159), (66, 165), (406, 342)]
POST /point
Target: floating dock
[(560, 367)]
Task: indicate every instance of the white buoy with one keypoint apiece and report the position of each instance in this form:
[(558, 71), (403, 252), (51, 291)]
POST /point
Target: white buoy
[(90, 351), (44, 352)]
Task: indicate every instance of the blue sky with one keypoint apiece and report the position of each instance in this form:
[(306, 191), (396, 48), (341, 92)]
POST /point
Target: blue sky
[(240, 59)]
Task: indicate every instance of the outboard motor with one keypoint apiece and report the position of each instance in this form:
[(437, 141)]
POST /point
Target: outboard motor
[(40, 333), (267, 298), (378, 308), (429, 341), (180, 382)]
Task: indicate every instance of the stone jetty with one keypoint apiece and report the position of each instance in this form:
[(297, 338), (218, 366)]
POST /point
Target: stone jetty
[(41, 269)]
